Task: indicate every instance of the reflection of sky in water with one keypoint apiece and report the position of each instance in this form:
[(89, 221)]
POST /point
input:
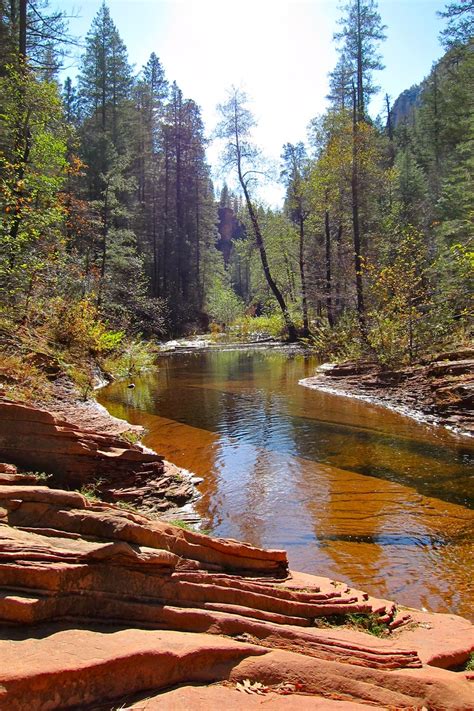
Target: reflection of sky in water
[(340, 484)]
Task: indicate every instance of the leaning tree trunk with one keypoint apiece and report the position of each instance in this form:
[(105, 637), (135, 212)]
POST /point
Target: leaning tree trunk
[(292, 332)]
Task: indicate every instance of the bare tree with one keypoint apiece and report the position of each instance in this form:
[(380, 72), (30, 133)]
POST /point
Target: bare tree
[(241, 155)]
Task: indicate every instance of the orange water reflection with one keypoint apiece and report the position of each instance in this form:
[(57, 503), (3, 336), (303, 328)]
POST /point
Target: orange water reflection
[(351, 490)]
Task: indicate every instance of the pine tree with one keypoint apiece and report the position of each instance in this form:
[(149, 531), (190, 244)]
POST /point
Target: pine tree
[(460, 28), (361, 30), (295, 171)]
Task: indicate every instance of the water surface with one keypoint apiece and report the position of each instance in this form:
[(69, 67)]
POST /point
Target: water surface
[(351, 490)]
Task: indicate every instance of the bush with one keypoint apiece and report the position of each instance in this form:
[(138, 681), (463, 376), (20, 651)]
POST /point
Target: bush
[(251, 327), (21, 380), (134, 358), (341, 342), (78, 328), (223, 304)]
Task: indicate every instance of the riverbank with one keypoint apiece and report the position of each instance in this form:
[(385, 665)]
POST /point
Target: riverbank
[(106, 608), (102, 606), (78, 444), (440, 392)]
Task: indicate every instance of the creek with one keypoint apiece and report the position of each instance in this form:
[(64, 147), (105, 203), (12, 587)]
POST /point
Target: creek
[(352, 491)]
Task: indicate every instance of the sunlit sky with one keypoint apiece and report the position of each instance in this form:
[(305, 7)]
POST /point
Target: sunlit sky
[(278, 51)]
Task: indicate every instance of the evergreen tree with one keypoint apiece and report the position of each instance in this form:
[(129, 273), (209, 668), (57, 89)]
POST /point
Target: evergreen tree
[(460, 28), (295, 171), (361, 31)]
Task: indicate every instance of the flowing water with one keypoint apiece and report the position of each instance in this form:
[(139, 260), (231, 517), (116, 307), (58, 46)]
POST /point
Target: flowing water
[(351, 490)]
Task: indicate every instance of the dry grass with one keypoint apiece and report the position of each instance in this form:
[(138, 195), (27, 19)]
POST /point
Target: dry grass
[(21, 380)]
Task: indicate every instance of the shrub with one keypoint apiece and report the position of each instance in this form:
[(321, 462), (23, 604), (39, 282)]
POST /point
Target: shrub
[(341, 342), (78, 328), (223, 304), (248, 327), (135, 357), (22, 380)]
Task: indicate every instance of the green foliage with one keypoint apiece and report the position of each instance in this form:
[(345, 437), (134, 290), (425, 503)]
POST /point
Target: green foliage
[(81, 376), (182, 524), (135, 357), (223, 304), (365, 622), (78, 328), (368, 623), (247, 328), (20, 379), (126, 506), (40, 476), (131, 436), (469, 666), (33, 170), (108, 230), (340, 342), (400, 317), (91, 491)]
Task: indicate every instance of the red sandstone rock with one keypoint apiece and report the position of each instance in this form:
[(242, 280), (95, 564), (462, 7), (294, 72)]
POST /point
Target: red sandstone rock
[(204, 698), (34, 439), (443, 389), (76, 667), (231, 611), (10, 475)]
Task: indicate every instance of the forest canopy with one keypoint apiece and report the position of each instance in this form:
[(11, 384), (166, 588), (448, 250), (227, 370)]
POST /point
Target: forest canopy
[(111, 228)]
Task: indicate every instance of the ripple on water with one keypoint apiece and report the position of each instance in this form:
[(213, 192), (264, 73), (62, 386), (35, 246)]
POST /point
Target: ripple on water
[(350, 490)]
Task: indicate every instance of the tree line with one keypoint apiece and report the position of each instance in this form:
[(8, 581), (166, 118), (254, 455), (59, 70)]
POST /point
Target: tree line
[(107, 200), (106, 194), (372, 253)]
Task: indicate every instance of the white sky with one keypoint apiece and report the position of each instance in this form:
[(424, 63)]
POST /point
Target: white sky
[(278, 51)]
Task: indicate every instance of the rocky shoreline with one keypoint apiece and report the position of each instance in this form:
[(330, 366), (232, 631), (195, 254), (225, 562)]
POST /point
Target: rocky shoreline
[(103, 606), (440, 392), (101, 463)]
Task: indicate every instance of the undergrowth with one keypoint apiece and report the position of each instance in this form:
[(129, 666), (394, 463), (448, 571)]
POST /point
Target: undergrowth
[(91, 491), (365, 622), (63, 338), (126, 506), (247, 328), (131, 436), (21, 380), (182, 524)]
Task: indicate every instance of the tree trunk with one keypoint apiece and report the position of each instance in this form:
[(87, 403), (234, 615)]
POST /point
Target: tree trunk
[(328, 285), (391, 146), (360, 86), (165, 223), (292, 332), (304, 298), (355, 217), (105, 230), (156, 264), (22, 31), (198, 245)]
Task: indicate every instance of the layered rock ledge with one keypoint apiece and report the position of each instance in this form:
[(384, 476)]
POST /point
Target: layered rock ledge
[(78, 456), (100, 607)]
